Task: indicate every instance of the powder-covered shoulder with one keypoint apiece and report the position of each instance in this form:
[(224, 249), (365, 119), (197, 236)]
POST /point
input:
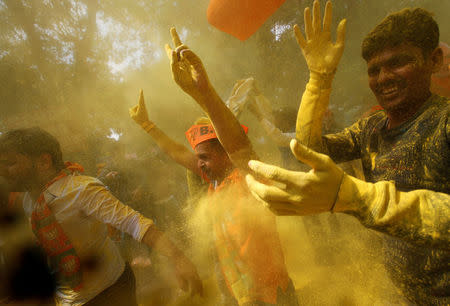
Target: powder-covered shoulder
[(442, 108), (84, 180), (372, 120), (377, 116), (447, 107), (445, 119), (442, 104), (441, 114), (74, 183)]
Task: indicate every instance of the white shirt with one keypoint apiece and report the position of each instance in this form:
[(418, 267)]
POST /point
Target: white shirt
[(83, 207)]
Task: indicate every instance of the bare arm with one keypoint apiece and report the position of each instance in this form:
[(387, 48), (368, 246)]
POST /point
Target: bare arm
[(189, 73), (178, 152), (228, 130), (185, 270), (260, 108)]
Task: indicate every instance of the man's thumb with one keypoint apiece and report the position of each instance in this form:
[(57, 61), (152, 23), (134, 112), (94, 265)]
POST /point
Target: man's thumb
[(306, 155)]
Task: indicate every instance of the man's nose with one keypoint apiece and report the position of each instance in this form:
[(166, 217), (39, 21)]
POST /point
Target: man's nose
[(385, 74), (200, 163)]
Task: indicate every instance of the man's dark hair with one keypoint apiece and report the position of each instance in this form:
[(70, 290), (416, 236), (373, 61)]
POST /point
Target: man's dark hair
[(415, 26), (32, 142)]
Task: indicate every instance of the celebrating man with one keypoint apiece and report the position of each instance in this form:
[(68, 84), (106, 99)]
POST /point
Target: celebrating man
[(404, 149), (245, 234), (68, 213)]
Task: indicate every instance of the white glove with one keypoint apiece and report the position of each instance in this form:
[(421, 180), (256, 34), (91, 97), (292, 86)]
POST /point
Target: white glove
[(242, 93)]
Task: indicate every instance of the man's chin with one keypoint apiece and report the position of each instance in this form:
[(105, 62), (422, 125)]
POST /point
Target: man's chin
[(392, 105), (208, 175)]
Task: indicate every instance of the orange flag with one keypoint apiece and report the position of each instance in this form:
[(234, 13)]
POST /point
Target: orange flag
[(241, 18)]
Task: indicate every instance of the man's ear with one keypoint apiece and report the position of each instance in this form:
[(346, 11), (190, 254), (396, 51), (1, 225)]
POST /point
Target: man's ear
[(437, 59), (44, 162)]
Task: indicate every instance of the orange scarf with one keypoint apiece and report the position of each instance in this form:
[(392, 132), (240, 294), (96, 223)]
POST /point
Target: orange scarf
[(50, 234)]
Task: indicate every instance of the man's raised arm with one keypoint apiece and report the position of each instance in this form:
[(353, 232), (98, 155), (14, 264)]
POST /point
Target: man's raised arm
[(178, 152), (189, 73), (322, 57)]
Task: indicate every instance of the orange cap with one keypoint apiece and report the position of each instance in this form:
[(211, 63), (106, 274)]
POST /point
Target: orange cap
[(200, 133)]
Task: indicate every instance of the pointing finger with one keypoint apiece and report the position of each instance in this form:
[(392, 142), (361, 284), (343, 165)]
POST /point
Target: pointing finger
[(175, 38), (141, 99)]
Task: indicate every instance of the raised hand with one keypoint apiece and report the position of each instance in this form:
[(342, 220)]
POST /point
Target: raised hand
[(139, 112), (321, 54), (296, 192), (243, 91), (187, 69)]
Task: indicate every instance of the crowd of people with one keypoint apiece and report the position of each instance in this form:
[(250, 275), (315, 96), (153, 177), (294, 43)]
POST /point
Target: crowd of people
[(400, 188)]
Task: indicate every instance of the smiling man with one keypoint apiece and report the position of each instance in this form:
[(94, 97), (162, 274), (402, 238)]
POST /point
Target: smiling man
[(404, 149), (245, 234)]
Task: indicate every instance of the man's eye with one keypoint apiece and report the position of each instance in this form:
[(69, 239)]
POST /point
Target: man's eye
[(399, 62), (373, 71), (395, 64)]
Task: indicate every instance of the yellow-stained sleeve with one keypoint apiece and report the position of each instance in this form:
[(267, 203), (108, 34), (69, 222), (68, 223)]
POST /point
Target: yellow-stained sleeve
[(419, 216)]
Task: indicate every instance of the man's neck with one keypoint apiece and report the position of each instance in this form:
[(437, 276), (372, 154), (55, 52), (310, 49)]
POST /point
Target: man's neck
[(225, 175), (39, 186)]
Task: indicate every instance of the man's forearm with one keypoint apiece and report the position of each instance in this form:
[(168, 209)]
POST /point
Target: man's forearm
[(419, 216), (157, 240), (228, 129), (178, 152), (277, 136)]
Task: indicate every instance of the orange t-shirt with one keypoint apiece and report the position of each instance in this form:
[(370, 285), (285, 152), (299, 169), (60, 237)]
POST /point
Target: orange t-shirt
[(247, 242)]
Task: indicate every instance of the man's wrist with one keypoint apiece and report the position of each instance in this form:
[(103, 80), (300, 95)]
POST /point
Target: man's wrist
[(354, 194), (206, 97), (322, 79), (147, 126), (337, 192)]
